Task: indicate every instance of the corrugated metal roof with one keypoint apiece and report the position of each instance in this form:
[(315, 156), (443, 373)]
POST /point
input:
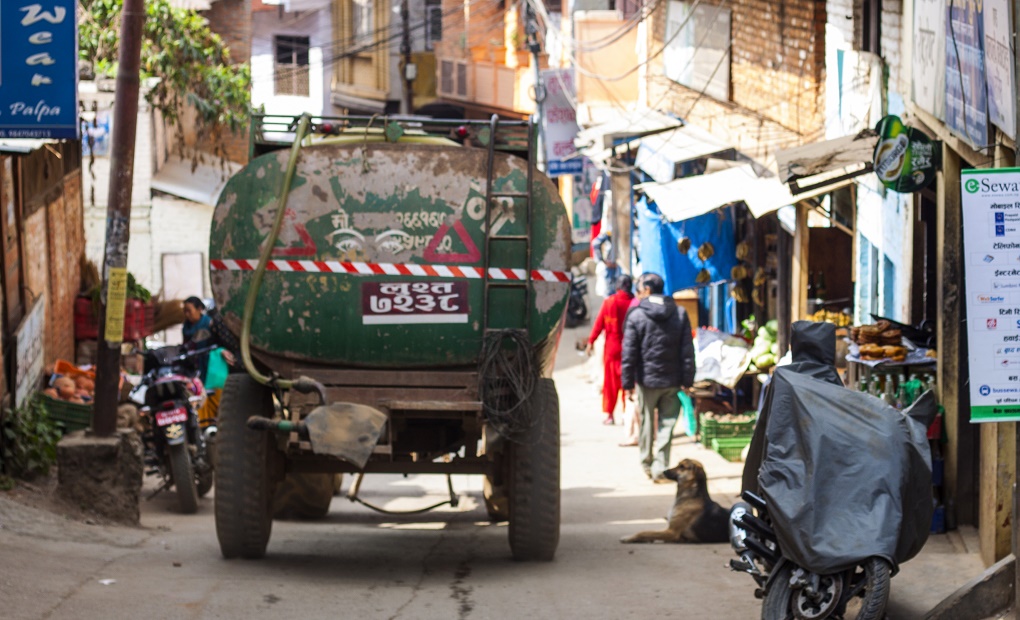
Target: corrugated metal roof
[(24, 146), (829, 157), (203, 185)]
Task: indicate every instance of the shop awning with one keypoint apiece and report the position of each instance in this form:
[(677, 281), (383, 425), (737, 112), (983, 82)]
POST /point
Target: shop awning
[(826, 163), (602, 142), (203, 185), (24, 146), (690, 197), (660, 154)]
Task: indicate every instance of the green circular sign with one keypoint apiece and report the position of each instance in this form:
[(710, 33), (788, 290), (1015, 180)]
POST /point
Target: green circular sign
[(972, 185)]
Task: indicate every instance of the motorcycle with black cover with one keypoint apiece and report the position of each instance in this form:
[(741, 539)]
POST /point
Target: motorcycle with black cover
[(837, 490), (176, 448)]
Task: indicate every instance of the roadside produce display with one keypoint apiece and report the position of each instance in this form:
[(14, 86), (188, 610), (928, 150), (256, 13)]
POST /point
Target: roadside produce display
[(765, 350)]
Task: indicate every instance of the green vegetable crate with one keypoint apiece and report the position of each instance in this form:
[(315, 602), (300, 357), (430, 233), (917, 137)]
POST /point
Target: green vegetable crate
[(710, 428), (68, 416), (730, 448)]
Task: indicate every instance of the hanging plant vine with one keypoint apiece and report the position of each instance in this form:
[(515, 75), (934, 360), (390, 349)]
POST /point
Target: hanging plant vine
[(190, 62)]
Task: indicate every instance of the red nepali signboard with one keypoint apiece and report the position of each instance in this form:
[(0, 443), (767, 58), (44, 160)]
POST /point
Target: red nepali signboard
[(395, 303)]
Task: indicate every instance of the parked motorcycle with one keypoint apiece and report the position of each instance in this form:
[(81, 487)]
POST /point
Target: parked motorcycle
[(577, 303), (176, 448), (837, 491)]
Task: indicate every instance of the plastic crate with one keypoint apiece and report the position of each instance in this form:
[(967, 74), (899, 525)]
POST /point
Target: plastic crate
[(730, 448), (68, 416), (711, 428), (138, 319), (86, 325)]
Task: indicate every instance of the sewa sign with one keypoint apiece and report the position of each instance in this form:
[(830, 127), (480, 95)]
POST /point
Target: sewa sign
[(38, 69)]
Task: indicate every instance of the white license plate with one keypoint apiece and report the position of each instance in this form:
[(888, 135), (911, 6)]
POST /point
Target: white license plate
[(173, 416)]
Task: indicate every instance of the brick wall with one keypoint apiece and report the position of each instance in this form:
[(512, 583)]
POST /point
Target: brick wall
[(66, 244), (777, 77), (53, 240), (232, 20)]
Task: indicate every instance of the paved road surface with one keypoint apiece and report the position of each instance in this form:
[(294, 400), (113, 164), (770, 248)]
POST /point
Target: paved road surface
[(449, 564)]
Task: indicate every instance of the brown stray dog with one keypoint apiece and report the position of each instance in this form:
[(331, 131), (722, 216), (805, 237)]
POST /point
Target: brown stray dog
[(694, 518)]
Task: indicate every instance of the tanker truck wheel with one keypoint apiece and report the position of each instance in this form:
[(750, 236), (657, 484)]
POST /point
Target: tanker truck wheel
[(305, 495), (534, 484), (245, 469)]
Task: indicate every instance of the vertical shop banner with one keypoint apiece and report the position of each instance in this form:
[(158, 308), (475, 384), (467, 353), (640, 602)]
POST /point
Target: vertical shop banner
[(966, 100), (38, 69), (1000, 66), (929, 57), (991, 235), (559, 123)]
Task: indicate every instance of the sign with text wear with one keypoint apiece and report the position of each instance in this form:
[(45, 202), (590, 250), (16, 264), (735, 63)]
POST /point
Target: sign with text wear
[(991, 236), (38, 69)]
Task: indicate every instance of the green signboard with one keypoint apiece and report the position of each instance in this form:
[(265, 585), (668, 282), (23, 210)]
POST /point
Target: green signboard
[(905, 158)]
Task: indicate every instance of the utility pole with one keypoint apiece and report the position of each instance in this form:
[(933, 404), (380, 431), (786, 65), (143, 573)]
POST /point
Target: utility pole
[(531, 30), (118, 219), (410, 69)]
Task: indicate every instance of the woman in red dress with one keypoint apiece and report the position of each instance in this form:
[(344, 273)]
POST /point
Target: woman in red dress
[(610, 320)]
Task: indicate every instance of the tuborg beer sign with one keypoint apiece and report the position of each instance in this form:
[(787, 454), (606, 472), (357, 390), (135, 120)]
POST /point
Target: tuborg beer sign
[(38, 69)]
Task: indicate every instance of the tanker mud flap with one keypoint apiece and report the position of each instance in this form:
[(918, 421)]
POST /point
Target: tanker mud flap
[(347, 431)]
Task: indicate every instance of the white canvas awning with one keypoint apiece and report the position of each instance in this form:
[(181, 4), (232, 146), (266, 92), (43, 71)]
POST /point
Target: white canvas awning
[(659, 154), (690, 197), (202, 186)]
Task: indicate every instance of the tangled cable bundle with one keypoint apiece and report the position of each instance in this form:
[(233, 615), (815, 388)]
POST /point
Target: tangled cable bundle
[(508, 376)]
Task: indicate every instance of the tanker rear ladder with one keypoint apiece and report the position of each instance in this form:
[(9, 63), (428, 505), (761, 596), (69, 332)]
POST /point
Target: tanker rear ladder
[(490, 195)]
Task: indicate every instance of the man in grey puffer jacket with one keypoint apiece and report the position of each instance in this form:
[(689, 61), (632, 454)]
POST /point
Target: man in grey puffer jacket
[(658, 359)]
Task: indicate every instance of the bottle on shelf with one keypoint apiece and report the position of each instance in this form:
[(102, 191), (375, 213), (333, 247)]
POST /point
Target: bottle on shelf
[(889, 396)]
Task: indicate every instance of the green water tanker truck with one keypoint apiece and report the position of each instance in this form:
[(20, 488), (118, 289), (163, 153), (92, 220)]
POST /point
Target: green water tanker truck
[(398, 288)]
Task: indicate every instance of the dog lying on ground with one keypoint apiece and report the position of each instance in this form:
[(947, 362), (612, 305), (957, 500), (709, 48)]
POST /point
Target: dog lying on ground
[(694, 518)]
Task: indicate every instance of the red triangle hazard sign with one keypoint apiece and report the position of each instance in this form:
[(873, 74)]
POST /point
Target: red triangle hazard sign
[(470, 255)]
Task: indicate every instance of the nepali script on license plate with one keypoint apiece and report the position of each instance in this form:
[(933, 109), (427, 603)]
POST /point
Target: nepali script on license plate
[(173, 416)]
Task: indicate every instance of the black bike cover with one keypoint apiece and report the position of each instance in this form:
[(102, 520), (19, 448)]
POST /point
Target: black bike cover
[(845, 475)]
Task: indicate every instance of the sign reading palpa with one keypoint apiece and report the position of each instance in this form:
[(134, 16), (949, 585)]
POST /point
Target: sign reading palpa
[(38, 69)]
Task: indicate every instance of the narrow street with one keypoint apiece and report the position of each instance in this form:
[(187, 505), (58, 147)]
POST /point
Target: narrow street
[(450, 563)]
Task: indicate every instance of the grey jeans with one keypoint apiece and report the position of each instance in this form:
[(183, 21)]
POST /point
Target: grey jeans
[(654, 444)]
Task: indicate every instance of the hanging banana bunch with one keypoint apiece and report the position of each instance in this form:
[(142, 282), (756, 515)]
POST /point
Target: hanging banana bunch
[(739, 294), (739, 272), (684, 245), (759, 276), (703, 277), (756, 296), (706, 251), (743, 250)]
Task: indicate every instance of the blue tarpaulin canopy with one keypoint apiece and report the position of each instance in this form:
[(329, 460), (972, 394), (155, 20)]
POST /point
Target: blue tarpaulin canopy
[(659, 239)]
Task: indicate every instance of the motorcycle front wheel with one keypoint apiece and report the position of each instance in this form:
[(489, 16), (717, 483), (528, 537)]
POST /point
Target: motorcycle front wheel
[(864, 593)]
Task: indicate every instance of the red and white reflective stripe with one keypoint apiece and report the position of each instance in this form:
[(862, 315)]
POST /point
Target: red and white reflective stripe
[(390, 269)]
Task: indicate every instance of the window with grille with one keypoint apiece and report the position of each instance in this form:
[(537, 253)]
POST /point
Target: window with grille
[(362, 22), (433, 23), (291, 67)]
